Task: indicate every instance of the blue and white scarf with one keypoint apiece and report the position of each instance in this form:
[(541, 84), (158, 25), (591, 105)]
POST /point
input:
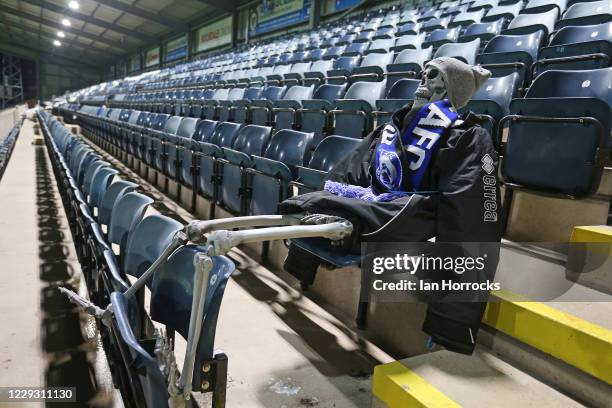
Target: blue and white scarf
[(400, 163)]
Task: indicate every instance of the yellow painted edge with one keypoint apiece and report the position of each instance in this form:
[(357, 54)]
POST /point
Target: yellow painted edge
[(580, 343), (592, 233), (400, 387)]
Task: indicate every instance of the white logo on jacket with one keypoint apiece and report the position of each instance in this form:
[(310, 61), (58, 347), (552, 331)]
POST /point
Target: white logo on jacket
[(489, 181)]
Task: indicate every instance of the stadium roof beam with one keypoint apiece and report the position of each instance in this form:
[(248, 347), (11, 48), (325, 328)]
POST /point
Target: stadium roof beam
[(89, 19), (51, 37), (58, 26), (147, 15), (19, 49), (225, 5)]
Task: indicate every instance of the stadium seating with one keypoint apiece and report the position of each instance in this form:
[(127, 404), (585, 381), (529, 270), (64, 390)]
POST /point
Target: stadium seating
[(139, 239), (7, 144), (339, 80)]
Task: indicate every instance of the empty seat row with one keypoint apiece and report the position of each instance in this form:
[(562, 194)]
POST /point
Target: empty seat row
[(118, 235)]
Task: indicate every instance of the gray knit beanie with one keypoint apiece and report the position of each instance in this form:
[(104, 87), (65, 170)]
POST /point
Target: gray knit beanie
[(462, 80)]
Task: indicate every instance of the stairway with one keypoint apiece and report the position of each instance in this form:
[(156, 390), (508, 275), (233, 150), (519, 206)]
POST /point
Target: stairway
[(556, 353)]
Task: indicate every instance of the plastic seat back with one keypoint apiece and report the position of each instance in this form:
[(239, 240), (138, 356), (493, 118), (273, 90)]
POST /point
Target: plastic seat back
[(204, 130), (465, 52), (126, 214), (172, 297), (330, 151), (577, 47), (352, 114), (556, 161), (399, 94), (442, 36), (151, 383), (485, 31), (252, 140), (592, 12), (147, 242), (99, 185), (313, 115), (286, 150), (187, 128), (529, 23), (492, 100)]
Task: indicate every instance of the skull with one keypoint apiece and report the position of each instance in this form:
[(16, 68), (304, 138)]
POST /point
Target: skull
[(432, 87)]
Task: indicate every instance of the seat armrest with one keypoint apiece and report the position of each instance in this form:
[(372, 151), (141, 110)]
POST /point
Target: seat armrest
[(263, 103), (237, 158), (391, 105), (353, 105), (272, 168), (209, 149), (311, 177), (317, 104), (287, 104)]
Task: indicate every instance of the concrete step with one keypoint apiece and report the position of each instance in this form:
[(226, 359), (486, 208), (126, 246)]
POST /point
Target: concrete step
[(589, 260), (447, 379), (575, 341)]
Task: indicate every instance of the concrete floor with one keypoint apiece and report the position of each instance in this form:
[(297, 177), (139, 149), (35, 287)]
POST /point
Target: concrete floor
[(42, 342), (21, 358)]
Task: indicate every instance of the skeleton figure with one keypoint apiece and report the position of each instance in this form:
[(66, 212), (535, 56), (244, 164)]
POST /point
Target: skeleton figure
[(432, 87)]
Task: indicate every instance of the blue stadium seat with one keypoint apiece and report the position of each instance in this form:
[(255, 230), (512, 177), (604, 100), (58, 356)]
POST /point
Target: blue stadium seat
[(203, 132), (372, 67), (531, 23), (252, 140), (326, 155), (99, 185), (506, 53), (343, 67), (174, 145), (284, 112), (270, 177), (409, 28), (172, 297), (239, 110), (435, 24), (492, 100), (92, 169), (465, 52), (542, 153), (483, 4), (465, 19), (537, 6), (408, 64), (587, 13), (351, 116), (126, 214), (406, 42), (313, 116), (401, 93), (442, 36), (485, 31), (318, 72), (506, 12), (260, 110), (210, 106), (114, 193), (577, 47), (296, 75), (382, 46), (210, 150), (146, 242)]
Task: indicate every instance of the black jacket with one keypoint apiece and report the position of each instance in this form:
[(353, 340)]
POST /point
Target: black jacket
[(464, 206)]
